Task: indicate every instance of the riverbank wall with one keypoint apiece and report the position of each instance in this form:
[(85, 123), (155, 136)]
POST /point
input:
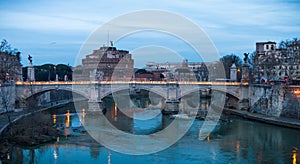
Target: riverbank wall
[(276, 100)]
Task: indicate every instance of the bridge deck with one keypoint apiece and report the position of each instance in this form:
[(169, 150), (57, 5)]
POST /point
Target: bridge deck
[(130, 82)]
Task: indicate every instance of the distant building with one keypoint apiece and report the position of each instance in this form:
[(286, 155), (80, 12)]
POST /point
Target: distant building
[(265, 59), (10, 67), (184, 71), (107, 63)]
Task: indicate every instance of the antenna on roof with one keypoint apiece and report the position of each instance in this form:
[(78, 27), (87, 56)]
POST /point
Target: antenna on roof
[(107, 38)]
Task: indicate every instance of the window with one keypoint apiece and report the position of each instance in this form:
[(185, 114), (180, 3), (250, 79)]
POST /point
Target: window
[(267, 46)]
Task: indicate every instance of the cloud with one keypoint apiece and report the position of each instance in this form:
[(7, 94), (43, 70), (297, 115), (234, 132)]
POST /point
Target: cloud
[(234, 26), (28, 21)]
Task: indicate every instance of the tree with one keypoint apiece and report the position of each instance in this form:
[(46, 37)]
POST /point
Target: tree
[(6, 95), (10, 69), (10, 66), (6, 47), (228, 60), (284, 44)]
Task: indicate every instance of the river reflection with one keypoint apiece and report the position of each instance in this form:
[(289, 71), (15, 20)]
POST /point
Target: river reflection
[(236, 141)]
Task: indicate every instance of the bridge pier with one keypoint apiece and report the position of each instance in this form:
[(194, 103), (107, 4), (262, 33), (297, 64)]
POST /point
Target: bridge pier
[(244, 103), (245, 100), (172, 101), (171, 107), (95, 106)]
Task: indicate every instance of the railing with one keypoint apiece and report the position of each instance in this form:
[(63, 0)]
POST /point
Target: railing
[(130, 82)]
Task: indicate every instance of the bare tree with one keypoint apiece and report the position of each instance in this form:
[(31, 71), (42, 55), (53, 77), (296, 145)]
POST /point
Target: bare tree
[(10, 69), (6, 95), (10, 66)]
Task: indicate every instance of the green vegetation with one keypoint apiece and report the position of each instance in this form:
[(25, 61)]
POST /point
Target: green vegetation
[(228, 60), (47, 72)]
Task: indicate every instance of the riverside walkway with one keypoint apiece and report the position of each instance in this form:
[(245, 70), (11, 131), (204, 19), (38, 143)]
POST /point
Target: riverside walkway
[(279, 121)]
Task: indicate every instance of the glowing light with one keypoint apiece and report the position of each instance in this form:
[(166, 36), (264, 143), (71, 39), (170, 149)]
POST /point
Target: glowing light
[(294, 156), (297, 91), (129, 82), (83, 116), (68, 118), (208, 138), (55, 154), (54, 118), (115, 113)]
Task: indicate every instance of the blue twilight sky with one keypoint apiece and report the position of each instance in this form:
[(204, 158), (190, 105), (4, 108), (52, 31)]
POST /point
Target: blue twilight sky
[(54, 31)]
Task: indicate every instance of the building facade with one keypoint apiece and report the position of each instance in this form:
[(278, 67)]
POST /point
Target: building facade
[(277, 64)]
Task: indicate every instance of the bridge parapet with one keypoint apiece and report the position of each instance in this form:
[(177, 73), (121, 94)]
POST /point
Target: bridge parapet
[(95, 91)]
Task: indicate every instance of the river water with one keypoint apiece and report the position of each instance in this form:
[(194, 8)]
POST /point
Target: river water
[(234, 141)]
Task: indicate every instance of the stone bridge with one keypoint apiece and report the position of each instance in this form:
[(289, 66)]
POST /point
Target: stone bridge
[(95, 91), (268, 99)]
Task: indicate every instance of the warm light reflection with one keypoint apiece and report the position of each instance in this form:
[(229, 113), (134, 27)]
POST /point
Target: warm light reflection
[(54, 118), (68, 118), (294, 156), (208, 138), (115, 113), (82, 120), (237, 147), (55, 154)]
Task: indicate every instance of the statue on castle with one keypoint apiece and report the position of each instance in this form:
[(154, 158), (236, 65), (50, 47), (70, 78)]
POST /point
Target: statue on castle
[(233, 59), (246, 57), (30, 59)]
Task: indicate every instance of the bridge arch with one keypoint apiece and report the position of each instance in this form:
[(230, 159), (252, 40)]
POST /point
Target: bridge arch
[(226, 91), (44, 90), (159, 91)]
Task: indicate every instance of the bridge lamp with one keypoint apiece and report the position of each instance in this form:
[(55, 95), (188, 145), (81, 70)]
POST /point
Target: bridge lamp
[(297, 92)]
